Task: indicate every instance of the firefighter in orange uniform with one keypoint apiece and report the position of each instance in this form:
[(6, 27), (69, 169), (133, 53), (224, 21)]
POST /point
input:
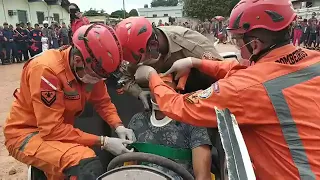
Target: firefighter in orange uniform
[(275, 100), (54, 88)]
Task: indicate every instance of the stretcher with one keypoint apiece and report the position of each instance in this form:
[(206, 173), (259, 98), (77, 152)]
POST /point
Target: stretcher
[(223, 168)]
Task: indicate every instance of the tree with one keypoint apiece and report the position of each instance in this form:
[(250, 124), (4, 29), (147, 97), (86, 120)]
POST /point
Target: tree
[(102, 11), (119, 14), (157, 3), (94, 12), (207, 8), (146, 6), (133, 12), (232, 4)]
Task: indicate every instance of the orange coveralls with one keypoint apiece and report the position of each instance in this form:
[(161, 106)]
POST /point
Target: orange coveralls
[(276, 103), (39, 130)]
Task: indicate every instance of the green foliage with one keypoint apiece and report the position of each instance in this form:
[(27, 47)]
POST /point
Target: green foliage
[(119, 14), (94, 12), (133, 12), (232, 4), (208, 8), (157, 3)]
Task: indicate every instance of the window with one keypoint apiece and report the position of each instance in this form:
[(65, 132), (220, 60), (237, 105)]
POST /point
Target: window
[(56, 17), (154, 15), (40, 17), (165, 15), (309, 4), (22, 16)]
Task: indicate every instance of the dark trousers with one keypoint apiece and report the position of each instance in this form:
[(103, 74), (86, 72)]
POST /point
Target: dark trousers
[(312, 39), (11, 49), (35, 48), (304, 39), (1, 53), (55, 44), (23, 50), (65, 40)]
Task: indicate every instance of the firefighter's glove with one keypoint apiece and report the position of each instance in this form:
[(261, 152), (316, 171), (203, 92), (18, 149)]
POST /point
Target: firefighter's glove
[(143, 73), (125, 133), (181, 67), (116, 146), (144, 97)]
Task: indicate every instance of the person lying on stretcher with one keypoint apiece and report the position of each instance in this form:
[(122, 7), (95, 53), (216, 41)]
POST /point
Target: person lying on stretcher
[(185, 144)]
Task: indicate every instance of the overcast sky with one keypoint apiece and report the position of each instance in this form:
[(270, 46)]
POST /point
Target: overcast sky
[(110, 5)]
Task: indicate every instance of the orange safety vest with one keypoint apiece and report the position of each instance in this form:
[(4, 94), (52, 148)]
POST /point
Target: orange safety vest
[(276, 103)]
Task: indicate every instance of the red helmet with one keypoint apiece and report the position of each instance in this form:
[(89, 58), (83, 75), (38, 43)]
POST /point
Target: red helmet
[(134, 33), (100, 48), (273, 15)]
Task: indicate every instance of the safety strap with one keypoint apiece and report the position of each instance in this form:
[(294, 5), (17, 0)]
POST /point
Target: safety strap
[(164, 151)]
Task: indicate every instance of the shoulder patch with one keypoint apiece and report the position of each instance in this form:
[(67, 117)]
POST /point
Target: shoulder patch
[(193, 98), (203, 94), (48, 83), (206, 93), (207, 55), (216, 87), (71, 95), (48, 97)]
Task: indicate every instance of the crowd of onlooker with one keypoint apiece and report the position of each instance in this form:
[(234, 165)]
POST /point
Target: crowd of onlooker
[(306, 32), (18, 43), (208, 27)]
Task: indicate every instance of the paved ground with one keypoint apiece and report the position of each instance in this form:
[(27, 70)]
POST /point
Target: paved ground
[(10, 76)]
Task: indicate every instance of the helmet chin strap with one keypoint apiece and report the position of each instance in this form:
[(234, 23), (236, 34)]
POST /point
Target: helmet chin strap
[(256, 57)]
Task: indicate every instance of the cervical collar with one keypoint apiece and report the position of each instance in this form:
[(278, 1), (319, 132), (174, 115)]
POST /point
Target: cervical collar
[(159, 123)]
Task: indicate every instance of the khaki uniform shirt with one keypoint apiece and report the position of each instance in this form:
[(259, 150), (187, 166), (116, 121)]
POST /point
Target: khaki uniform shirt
[(183, 43)]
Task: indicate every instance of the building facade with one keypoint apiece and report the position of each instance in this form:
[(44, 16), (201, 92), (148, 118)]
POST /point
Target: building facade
[(300, 4), (305, 8), (155, 14), (34, 11)]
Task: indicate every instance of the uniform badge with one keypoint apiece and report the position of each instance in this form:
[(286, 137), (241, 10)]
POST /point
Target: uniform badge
[(216, 87), (71, 95), (206, 93), (193, 98), (48, 97), (48, 83), (207, 55)]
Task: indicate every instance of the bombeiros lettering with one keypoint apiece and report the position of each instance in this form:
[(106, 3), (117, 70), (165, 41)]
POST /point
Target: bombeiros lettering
[(293, 58)]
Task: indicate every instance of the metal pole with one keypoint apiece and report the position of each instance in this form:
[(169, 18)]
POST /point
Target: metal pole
[(4, 12), (124, 10), (48, 9), (30, 16)]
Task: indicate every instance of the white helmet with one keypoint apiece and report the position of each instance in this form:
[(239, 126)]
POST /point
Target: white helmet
[(45, 22)]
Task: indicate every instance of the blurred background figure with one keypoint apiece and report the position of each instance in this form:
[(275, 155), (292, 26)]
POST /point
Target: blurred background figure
[(64, 34), (76, 18)]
